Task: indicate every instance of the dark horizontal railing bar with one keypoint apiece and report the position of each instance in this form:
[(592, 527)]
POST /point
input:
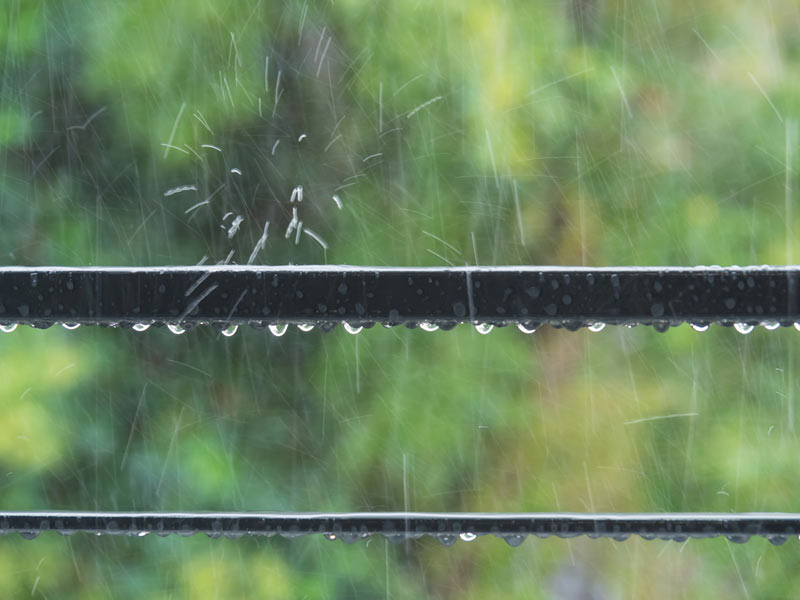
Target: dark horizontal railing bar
[(230, 295), (398, 526)]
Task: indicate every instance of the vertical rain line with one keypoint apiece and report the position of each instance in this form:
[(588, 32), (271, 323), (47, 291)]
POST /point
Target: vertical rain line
[(386, 546), (405, 500), (581, 207), (790, 126), (358, 368), (690, 436)]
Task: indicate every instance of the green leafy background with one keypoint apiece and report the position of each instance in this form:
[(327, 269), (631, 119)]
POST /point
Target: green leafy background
[(582, 132)]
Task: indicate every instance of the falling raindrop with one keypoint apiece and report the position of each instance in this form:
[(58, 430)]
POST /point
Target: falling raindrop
[(306, 327), (484, 328), (352, 329), (426, 326), (8, 328), (526, 327), (70, 325), (467, 536), (230, 330), (743, 327), (700, 326), (278, 329), (597, 327), (771, 325), (141, 326), (175, 328)]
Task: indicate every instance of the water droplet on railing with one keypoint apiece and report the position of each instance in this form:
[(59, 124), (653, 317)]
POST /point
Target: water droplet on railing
[(446, 539), (8, 328), (796, 325), (70, 326), (513, 539), (306, 327), (142, 533), (330, 536), (744, 328), (29, 535), (352, 329), (467, 536), (230, 330), (597, 327), (700, 326), (770, 325), (526, 327), (777, 540), (141, 326), (425, 326), (175, 328), (278, 329), (484, 328)]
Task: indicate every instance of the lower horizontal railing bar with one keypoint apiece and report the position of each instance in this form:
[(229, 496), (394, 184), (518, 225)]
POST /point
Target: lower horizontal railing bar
[(325, 295), (398, 526)]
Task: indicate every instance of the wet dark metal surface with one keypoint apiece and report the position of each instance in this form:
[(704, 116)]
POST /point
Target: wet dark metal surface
[(447, 527), (567, 297)]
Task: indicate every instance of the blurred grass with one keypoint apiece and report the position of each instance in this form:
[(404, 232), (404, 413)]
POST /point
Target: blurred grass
[(581, 132)]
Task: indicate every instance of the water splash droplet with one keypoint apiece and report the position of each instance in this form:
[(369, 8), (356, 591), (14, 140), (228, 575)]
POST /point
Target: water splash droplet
[(425, 326), (467, 536), (352, 329), (278, 329), (743, 328), (526, 327), (771, 325), (484, 328), (141, 326), (70, 326), (597, 327), (8, 328), (175, 328), (230, 330), (700, 326), (306, 327)]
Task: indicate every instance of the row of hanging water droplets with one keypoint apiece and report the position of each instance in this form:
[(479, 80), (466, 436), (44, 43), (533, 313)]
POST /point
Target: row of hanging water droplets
[(279, 329), (445, 538)]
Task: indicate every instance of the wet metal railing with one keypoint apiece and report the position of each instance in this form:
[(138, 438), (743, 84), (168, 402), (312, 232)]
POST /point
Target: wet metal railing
[(398, 526), (431, 298), (275, 297)]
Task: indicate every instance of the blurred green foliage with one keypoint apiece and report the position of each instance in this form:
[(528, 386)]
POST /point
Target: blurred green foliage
[(577, 132)]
